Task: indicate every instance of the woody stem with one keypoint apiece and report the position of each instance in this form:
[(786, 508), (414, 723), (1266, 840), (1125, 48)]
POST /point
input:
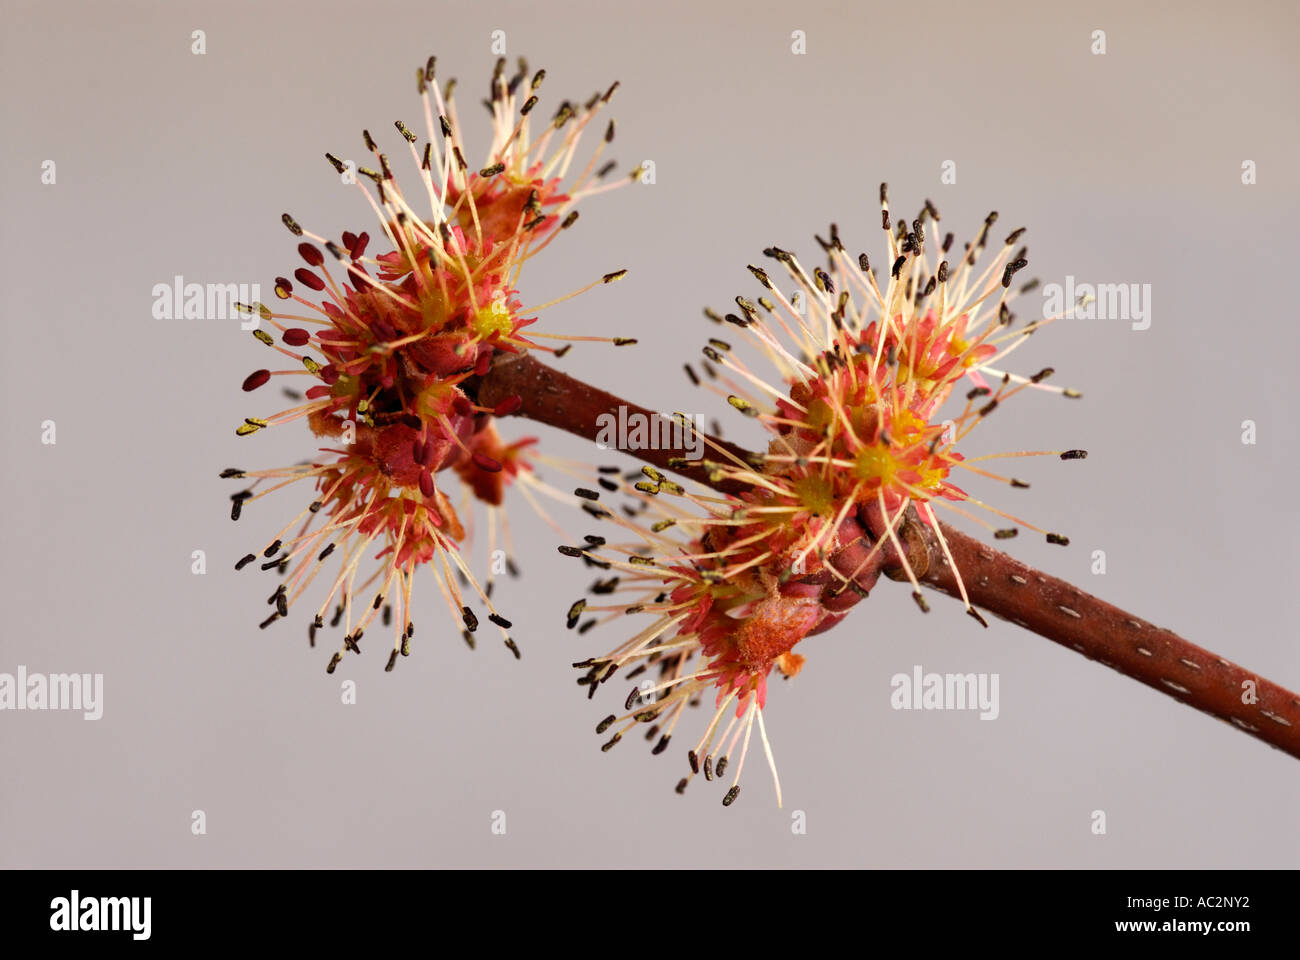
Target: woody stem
[(994, 581)]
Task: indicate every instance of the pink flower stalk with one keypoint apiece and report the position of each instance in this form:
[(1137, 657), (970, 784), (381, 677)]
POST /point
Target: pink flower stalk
[(400, 338)]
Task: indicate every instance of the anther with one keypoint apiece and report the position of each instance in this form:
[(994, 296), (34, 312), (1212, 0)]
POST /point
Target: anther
[(309, 279), (575, 612), (256, 379)]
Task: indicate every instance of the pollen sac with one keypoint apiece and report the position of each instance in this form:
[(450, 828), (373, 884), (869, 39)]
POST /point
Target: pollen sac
[(508, 406), (256, 379), (575, 612), (471, 621), (309, 279)]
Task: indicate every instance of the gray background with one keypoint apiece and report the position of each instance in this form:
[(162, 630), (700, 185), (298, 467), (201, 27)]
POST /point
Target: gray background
[(1126, 168)]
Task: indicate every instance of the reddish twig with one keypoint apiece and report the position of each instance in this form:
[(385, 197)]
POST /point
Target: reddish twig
[(558, 400), (994, 581), (1135, 647)]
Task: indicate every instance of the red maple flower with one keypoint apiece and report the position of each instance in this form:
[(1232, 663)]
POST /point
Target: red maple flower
[(393, 343), (856, 446)]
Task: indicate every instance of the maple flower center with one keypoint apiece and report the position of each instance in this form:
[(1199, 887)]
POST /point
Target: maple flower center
[(876, 463), (493, 318)]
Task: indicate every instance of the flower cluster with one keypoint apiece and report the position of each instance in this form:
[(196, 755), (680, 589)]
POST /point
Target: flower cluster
[(857, 450), (399, 339)]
